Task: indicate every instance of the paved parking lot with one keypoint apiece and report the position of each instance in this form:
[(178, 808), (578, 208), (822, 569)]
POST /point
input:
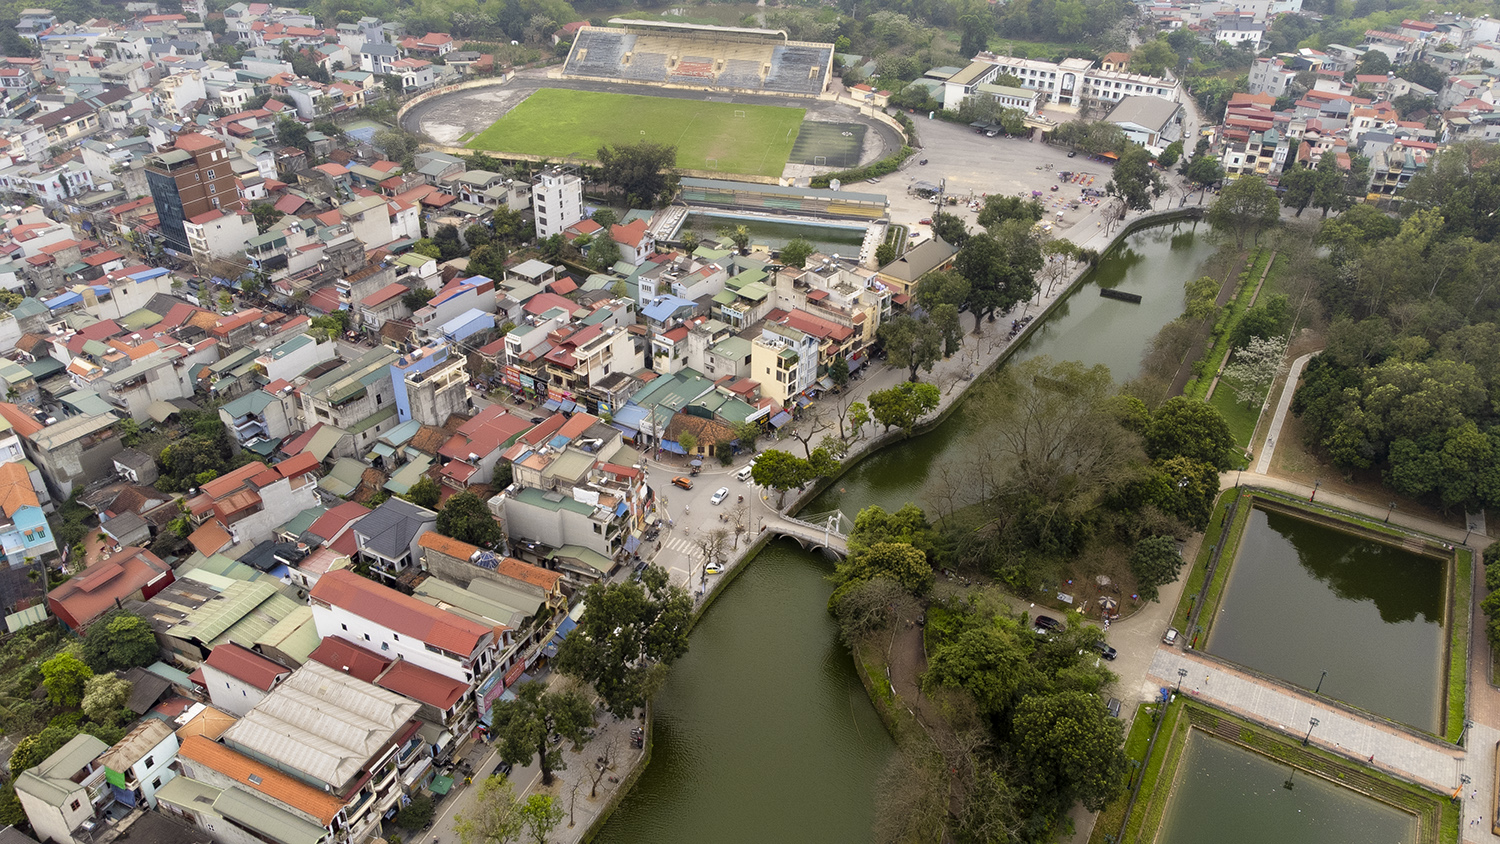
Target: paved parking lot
[(973, 165)]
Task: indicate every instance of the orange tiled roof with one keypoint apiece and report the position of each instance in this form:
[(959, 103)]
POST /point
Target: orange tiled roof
[(446, 545), (261, 778), (15, 489)]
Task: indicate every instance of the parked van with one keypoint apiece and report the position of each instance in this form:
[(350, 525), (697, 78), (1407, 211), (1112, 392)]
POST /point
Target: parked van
[(744, 474)]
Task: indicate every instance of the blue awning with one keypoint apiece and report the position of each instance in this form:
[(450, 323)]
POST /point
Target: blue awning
[(568, 407), (631, 416), (625, 429), (66, 299), (668, 445), (631, 543), (621, 508), (551, 405), (781, 419), (803, 401)]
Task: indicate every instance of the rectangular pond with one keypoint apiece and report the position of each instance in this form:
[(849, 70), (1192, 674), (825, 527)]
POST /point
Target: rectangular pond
[(1303, 598), (1225, 794)]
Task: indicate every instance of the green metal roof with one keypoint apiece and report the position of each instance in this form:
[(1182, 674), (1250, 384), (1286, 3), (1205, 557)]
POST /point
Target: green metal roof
[(251, 402), (590, 558), (371, 421), (302, 521), (344, 478), (136, 320), (209, 621), (296, 635), (537, 498), (266, 818), (402, 479)]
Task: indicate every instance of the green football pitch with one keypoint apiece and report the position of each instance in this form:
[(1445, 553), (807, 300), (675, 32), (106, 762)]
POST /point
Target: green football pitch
[(725, 137)]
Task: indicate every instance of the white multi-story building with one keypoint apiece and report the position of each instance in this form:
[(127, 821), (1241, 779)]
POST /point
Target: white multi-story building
[(143, 759), (1270, 76), (219, 234), (1069, 82), (396, 625), (557, 201)]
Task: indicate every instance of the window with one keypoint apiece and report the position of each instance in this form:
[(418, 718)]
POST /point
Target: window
[(345, 626), (210, 173), (150, 761), (367, 637), (156, 784), (385, 646), (74, 805)]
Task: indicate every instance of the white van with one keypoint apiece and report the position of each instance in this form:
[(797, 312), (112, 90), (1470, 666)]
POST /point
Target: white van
[(744, 474)]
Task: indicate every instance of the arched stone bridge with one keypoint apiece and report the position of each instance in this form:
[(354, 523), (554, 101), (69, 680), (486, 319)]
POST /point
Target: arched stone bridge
[(820, 531)]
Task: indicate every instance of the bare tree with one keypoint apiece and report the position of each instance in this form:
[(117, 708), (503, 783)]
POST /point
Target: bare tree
[(739, 517), (573, 799), (910, 805), (841, 406), (815, 424), (602, 765), (710, 543)]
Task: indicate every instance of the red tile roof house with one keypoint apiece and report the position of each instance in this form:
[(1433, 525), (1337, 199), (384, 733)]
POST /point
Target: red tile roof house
[(248, 504), (238, 678), (132, 574), (444, 700), (469, 457), (396, 625)]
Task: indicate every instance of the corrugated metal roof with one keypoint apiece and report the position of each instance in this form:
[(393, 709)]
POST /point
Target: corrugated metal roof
[(323, 723)]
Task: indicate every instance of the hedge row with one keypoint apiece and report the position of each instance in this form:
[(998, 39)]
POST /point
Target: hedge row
[(883, 167), (1207, 365)]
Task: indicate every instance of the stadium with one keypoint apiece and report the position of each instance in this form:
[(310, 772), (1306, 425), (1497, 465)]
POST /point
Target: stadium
[(727, 58), (735, 101)]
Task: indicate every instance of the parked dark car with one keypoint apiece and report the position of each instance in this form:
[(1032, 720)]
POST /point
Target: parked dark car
[(1046, 622), (502, 770), (1105, 650)]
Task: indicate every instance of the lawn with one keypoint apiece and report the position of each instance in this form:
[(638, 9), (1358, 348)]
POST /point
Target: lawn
[(708, 136), (1240, 416)]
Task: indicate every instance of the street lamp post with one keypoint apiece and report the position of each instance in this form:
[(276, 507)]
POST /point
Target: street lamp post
[(1311, 722), (1388, 512), (1472, 528), (1320, 682), (1181, 674), (1465, 732), (1317, 483)]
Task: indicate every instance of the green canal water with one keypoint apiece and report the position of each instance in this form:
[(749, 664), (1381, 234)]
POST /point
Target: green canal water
[(1370, 614), (1225, 794), (830, 240), (764, 732)]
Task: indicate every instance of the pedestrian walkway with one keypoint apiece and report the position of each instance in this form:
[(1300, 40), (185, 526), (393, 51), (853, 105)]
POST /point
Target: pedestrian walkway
[(1289, 389), (1425, 762)]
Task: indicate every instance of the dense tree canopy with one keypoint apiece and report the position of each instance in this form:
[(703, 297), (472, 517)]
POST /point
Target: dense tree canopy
[(629, 633), (120, 641), (1134, 180), (642, 172), (1407, 382), (466, 518), (521, 726)]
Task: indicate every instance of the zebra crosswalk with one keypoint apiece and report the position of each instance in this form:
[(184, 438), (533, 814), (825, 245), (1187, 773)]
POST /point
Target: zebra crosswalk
[(684, 546)]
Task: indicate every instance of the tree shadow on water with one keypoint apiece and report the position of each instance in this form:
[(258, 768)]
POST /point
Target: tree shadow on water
[(1401, 585)]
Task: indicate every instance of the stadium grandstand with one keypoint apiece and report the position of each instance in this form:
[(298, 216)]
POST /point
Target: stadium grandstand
[(725, 57)]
